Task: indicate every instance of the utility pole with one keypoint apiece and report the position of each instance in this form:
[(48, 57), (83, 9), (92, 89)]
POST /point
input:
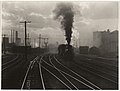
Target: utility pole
[(25, 22)]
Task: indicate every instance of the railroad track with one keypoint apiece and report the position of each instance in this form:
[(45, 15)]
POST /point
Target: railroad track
[(28, 80), (47, 72), (6, 56), (13, 75), (57, 75), (12, 62), (76, 76), (32, 75), (105, 77), (41, 75), (107, 72), (104, 61), (64, 77)]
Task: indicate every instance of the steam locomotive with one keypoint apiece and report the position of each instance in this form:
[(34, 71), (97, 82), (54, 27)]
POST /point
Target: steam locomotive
[(66, 52)]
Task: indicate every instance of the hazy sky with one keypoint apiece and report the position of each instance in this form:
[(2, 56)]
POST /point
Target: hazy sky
[(90, 16)]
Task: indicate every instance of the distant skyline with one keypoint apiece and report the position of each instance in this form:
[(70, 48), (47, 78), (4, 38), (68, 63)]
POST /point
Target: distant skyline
[(90, 16)]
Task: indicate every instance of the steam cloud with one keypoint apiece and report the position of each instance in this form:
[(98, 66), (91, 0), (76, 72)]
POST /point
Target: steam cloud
[(65, 13)]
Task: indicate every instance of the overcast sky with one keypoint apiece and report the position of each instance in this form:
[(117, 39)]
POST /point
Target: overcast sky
[(90, 16)]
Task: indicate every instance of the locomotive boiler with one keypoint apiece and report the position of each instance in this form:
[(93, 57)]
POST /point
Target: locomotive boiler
[(66, 52)]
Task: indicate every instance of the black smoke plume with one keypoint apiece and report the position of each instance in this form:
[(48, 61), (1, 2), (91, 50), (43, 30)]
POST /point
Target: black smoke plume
[(65, 13)]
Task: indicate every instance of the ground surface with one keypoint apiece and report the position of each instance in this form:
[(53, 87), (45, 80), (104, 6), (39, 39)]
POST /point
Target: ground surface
[(48, 71)]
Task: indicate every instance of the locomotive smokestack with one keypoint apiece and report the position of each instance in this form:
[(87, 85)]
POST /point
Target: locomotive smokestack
[(64, 12)]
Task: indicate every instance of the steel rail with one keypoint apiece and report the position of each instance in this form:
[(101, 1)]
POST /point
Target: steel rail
[(9, 65), (102, 62), (11, 60), (43, 85), (72, 77), (28, 72), (62, 74), (99, 58), (101, 71), (78, 74), (100, 75), (56, 77), (6, 57)]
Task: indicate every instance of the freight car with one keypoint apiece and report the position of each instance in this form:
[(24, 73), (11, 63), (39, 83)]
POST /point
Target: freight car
[(83, 49), (66, 52)]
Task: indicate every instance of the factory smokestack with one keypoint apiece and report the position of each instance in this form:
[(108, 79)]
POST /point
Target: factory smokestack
[(65, 13), (11, 37), (16, 35)]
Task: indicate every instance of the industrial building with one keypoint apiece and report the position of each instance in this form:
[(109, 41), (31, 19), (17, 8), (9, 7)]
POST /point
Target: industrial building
[(106, 41), (5, 43)]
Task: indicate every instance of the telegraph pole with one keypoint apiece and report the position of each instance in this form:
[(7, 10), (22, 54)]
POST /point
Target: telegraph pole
[(25, 22)]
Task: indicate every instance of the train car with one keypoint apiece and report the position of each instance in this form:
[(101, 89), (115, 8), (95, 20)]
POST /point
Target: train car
[(66, 52), (83, 49), (94, 51)]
